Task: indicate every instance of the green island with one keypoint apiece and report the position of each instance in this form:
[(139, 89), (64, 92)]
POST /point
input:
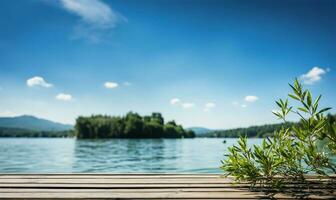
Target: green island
[(151, 127), (132, 125)]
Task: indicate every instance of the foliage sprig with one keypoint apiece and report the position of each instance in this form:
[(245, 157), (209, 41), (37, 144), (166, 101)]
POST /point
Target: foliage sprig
[(291, 152)]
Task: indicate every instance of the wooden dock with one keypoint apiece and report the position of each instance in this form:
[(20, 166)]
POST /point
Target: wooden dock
[(149, 186)]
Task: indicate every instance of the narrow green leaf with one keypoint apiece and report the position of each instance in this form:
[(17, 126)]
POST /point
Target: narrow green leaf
[(323, 110), (294, 90), (277, 114), (303, 109), (317, 100), (294, 97), (286, 103), (304, 94), (296, 83), (305, 105), (309, 99), (288, 110), (315, 108)]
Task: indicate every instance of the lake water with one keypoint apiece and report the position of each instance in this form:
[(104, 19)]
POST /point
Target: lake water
[(29, 155)]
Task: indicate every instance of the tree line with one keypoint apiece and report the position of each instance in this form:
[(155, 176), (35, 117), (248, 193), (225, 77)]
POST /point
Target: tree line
[(257, 131), (132, 125), (99, 126), (19, 132)]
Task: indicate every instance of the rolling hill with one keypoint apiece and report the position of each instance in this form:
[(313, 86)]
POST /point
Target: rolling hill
[(32, 123), (200, 130)]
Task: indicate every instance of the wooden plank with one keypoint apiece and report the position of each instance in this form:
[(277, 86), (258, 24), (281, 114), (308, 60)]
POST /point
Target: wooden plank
[(117, 181), (129, 190), (134, 180), (144, 185), (140, 185), (135, 190), (152, 186), (105, 177), (84, 178), (134, 175), (154, 195)]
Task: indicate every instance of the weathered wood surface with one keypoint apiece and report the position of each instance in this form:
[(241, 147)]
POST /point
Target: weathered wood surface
[(152, 186)]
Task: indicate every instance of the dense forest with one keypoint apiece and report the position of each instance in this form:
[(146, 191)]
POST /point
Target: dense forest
[(135, 126), (19, 132), (252, 131), (132, 125), (256, 131)]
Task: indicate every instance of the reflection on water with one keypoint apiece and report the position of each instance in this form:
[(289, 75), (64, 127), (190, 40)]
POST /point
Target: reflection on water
[(200, 155)]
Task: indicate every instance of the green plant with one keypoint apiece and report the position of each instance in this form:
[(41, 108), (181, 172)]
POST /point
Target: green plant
[(293, 151)]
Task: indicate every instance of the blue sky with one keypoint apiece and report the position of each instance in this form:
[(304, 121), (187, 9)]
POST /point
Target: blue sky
[(217, 64)]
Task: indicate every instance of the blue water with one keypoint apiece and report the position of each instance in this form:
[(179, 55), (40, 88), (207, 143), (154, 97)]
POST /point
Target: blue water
[(29, 155)]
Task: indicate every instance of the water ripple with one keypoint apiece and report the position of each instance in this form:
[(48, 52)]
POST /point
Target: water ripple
[(27, 155)]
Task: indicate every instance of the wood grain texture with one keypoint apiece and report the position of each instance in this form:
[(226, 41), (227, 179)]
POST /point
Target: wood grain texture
[(152, 186)]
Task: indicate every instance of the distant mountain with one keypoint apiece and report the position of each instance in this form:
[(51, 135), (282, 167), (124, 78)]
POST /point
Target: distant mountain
[(200, 130), (32, 123)]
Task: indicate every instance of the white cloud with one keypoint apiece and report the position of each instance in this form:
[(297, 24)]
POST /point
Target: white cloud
[(91, 11), (38, 81), (210, 105), (178, 102), (238, 105), (175, 101), (251, 98), (64, 97), (314, 75), (111, 85), (187, 105), (96, 17)]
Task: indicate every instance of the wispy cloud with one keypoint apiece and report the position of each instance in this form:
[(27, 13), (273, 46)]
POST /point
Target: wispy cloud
[(251, 98), (175, 101), (96, 18), (111, 85), (64, 97), (182, 104), (188, 105), (313, 75), (92, 12), (237, 104), (38, 81), (208, 106)]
